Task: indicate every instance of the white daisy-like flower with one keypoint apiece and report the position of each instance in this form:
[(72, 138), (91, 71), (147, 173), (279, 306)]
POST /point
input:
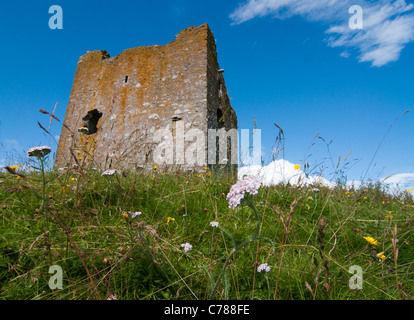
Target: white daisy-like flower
[(109, 172), (38, 151), (187, 247), (249, 184), (315, 190), (263, 267), (214, 224)]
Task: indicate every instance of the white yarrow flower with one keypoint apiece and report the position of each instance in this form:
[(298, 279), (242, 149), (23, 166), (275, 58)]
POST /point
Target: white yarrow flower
[(109, 172), (38, 151), (135, 214), (187, 247), (83, 130), (263, 267), (214, 224)]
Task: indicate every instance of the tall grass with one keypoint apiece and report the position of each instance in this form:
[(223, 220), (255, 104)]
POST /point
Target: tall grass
[(309, 236), (104, 253)]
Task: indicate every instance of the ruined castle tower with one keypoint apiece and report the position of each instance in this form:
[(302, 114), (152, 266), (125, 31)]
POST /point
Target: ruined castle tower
[(119, 104)]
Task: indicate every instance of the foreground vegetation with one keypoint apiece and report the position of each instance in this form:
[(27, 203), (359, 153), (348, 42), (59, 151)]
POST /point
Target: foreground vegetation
[(150, 235)]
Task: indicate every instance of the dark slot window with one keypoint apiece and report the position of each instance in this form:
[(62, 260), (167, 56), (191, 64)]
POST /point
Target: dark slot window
[(220, 120)]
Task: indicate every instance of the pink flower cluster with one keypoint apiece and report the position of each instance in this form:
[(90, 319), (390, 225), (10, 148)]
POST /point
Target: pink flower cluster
[(249, 184)]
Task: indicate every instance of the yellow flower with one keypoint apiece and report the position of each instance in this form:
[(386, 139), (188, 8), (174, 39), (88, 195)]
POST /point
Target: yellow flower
[(77, 151), (389, 216), (125, 215), (73, 179), (14, 167), (409, 190), (170, 219), (155, 167), (208, 173), (297, 166), (380, 256), (371, 240)]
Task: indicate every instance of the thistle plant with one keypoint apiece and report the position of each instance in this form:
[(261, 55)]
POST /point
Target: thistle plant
[(240, 193)]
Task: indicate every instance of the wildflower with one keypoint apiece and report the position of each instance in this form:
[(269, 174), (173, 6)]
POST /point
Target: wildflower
[(297, 166), (109, 172), (263, 267), (38, 151), (14, 167), (132, 215), (409, 190), (155, 167), (249, 184), (73, 179), (214, 224), (371, 240), (389, 216), (187, 247), (380, 256), (83, 130), (208, 173), (135, 214), (310, 198), (170, 219), (315, 190)]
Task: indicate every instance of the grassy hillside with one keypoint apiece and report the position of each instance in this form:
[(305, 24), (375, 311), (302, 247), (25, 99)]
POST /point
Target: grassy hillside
[(120, 236)]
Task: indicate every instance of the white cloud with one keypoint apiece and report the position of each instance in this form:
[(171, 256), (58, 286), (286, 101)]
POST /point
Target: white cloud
[(13, 144), (387, 25), (399, 182), (345, 54)]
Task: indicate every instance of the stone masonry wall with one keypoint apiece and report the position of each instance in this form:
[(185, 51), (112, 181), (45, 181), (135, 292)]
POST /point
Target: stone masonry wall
[(136, 93)]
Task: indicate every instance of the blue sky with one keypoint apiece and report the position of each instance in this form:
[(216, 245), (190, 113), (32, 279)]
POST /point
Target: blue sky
[(294, 63)]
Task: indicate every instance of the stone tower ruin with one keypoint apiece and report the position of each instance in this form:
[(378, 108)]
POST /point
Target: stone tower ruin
[(122, 110)]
